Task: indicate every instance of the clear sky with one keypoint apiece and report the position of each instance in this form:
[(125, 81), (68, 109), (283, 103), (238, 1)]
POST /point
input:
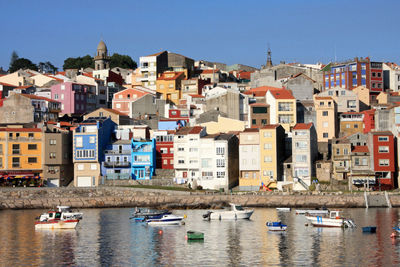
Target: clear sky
[(226, 31)]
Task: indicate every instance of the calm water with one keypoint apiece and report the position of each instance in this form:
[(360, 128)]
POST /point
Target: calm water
[(106, 237)]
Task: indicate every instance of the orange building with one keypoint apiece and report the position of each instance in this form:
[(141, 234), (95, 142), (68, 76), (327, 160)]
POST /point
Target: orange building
[(169, 86)]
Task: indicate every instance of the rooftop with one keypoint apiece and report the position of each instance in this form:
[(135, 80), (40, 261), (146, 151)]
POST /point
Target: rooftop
[(303, 126), (360, 149), (282, 94)]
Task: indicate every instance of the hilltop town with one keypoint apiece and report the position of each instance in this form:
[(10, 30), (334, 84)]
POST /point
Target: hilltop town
[(198, 124)]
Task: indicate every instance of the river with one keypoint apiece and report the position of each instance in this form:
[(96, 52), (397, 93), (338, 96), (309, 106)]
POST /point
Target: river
[(106, 237)]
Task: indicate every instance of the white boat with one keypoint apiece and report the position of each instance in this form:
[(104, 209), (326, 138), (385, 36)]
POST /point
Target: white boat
[(237, 212), (332, 220), (165, 219), (312, 212), (68, 213), (283, 209), (276, 226), (55, 220)]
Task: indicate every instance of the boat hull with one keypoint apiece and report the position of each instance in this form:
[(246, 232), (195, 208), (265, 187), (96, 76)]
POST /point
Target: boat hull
[(283, 209), (67, 224), (277, 228), (312, 212), (319, 221), (231, 215), (175, 222)]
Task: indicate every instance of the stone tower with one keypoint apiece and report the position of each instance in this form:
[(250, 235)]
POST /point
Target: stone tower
[(101, 60), (269, 60)]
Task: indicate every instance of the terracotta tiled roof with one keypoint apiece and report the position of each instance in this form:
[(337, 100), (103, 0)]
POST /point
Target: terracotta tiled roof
[(7, 84), (40, 98), (209, 71), (270, 126), (251, 130), (52, 77), (302, 74), (24, 87), (115, 111), (282, 94), (197, 96), (360, 149), (165, 77), (62, 123), (156, 54), (196, 130), (20, 130), (323, 98), (302, 126), (265, 88), (189, 130)]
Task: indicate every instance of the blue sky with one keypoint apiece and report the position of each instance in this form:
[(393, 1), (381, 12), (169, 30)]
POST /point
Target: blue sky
[(224, 31)]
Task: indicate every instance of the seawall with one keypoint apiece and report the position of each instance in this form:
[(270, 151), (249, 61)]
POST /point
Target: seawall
[(107, 197)]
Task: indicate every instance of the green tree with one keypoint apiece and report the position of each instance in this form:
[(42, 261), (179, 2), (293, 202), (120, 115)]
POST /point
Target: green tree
[(122, 61), (14, 57), (22, 63), (47, 67), (78, 62)]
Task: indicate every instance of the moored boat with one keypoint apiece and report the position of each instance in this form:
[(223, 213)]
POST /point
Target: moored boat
[(332, 220), (276, 226), (68, 213), (237, 212), (397, 228), (165, 219), (283, 209), (312, 212), (192, 235), (141, 215), (369, 229), (55, 220)]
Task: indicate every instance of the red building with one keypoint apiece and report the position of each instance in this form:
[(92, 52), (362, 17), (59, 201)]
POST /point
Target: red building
[(369, 120), (381, 145), (164, 149)]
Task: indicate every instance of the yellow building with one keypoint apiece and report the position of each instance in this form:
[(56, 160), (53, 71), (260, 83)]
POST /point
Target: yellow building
[(351, 123), (21, 152), (325, 109), (249, 160), (169, 86), (282, 108), (224, 125)]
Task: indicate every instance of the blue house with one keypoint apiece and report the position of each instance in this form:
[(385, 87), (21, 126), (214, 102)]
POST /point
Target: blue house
[(143, 159), (90, 139), (117, 163)]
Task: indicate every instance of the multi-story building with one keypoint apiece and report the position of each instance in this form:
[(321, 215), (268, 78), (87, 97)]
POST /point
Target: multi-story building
[(90, 139), (282, 108), (169, 86), (165, 149), (219, 156), (272, 154), (341, 158), (325, 109), (73, 97), (58, 169), (361, 171), (118, 158), (143, 159), (391, 76), (351, 122), (249, 160), (259, 114), (304, 154), (21, 154), (346, 100), (381, 145), (151, 66), (186, 153), (193, 86), (116, 116), (369, 120)]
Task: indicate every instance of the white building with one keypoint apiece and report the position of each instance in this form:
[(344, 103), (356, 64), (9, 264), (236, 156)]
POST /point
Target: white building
[(151, 66), (391, 76)]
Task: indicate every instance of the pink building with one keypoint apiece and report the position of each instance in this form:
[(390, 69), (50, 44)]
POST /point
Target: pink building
[(72, 97)]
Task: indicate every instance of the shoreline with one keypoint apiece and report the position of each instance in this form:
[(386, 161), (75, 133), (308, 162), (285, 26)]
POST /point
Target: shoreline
[(112, 197)]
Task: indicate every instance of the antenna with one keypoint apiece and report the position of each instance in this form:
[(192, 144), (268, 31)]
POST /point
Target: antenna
[(335, 52)]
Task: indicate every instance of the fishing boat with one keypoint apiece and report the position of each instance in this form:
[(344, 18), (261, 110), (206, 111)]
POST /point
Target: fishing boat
[(192, 235), (276, 226), (283, 209), (68, 213), (369, 229), (237, 212), (333, 219), (165, 219), (55, 220), (312, 212)]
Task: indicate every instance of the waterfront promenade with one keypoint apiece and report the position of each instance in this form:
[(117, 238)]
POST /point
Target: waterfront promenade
[(107, 197)]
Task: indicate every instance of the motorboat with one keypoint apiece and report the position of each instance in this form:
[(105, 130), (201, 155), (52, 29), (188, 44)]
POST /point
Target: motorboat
[(323, 211), (141, 215), (237, 212), (55, 220), (165, 219), (283, 209), (276, 226), (69, 213), (333, 219), (369, 229)]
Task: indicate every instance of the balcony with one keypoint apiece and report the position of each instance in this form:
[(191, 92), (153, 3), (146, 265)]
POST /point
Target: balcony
[(118, 176), (117, 164), (117, 152), (342, 168)]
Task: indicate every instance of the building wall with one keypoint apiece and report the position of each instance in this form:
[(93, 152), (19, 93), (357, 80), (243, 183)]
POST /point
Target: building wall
[(302, 88), (72, 97), (223, 125), (17, 109), (351, 127), (249, 161), (325, 124)]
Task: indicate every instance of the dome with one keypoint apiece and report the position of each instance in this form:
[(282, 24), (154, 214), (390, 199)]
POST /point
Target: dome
[(102, 46)]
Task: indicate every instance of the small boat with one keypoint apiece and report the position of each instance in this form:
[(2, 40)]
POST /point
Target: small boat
[(331, 220), (192, 235), (67, 212), (141, 215), (237, 212), (165, 219), (283, 209), (369, 229), (276, 226), (312, 212), (397, 228), (55, 220)]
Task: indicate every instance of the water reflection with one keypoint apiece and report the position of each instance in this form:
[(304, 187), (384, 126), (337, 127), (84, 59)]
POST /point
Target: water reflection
[(108, 238)]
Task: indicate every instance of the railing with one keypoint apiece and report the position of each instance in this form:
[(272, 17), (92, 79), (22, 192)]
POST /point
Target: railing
[(118, 176), (117, 164), (117, 152)]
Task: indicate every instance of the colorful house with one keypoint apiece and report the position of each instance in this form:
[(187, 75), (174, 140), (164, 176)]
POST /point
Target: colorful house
[(143, 159), (249, 160), (282, 108), (123, 100), (165, 149), (325, 109), (117, 163), (351, 123), (73, 97), (169, 85)]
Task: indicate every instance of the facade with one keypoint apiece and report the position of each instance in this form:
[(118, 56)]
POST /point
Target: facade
[(363, 97), (282, 108), (151, 66), (325, 109), (58, 169), (259, 114), (118, 159), (346, 100), (391, 76), (102, 59), (116, 116), (341, 158), (122, 101), (165, 149), (361, 172), (21, 153), (351, 123), (193, 86), (74, 97), (224, 125), (143, 159), (369, 120), (249, 160), (169, 86), (304, 155), (17, 109), (301, 86), (90, 139)]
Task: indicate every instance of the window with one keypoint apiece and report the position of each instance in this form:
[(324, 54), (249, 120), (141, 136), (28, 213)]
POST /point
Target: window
[(345, 151), (267, 134), (383, 149), (55, 96), (220, 174), (337, 151), (93, 167), (32, 160), (343, 92), (62, 86), (321, 103), (193, 149), (118, 105), (324, 113), (62, 96), (15, 162), (301, 158), (267, 159), (355, 125), (15, 149), (165, 161), (92, 139), (325, 135), (32, 146), (52, 155), (164, 150), (81, 167), (301, 144), (383, 162), (347, 125), (221, 163), (220, 150), (253, 121), (383, 138), (373, 74), (181, 161), (79, 141), (181, 149), (52, 142), (30, 135), (267, 146)]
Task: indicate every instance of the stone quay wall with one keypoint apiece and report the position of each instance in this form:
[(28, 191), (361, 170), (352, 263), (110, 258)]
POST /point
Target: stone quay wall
[(108, 197)]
